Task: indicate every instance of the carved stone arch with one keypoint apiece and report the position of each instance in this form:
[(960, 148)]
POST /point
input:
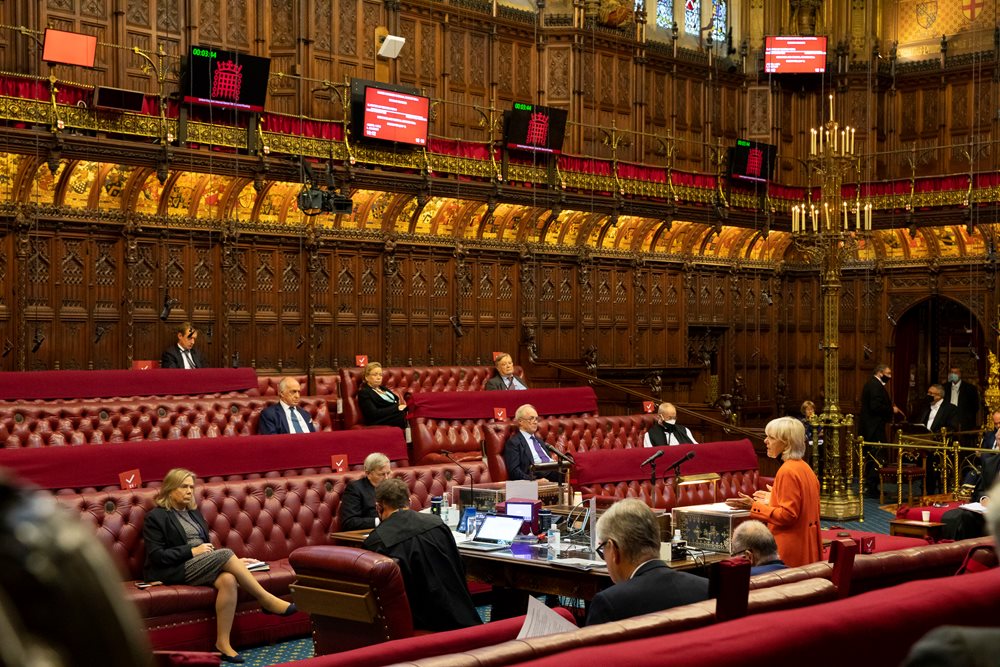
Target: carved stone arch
[(642, 230), (930, 242), (398, 204), (31, 170), (706, 236), (609, 221), (103, 169), (529, 220), (553, 215), (664, 228), (231, 196), (21, 186), (63, 179), (172, 178), (586, 219), (463, 219), (422, 201), (264, 192), (133, 186)]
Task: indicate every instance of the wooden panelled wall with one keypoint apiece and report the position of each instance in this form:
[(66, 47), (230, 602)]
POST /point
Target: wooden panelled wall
[(92, 292)]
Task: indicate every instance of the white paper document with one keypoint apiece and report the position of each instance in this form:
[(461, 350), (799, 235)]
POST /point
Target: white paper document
[(542, 621), (523, 489), (978, 508)]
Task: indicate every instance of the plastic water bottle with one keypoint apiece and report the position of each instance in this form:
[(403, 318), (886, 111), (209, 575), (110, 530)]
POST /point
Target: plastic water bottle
[(552, 538)]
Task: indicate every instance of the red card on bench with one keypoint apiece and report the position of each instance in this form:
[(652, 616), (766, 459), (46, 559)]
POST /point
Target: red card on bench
[(497, 355), (500, 414), (338, 462), (648, 406), (361, 360), (130, 479)]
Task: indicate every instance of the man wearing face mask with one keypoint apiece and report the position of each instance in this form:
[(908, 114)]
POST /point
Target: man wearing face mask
[(877, 407), (965, 397), (666, 431)]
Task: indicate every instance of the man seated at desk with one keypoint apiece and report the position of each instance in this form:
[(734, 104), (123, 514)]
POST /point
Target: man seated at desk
[(357, 506), (754, 540), (428, 559), (524, 449), (504, 378), (666, 431), (628, 539)]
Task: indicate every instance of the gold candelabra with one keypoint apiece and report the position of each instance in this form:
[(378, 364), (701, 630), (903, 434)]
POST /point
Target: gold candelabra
[(827, 233)]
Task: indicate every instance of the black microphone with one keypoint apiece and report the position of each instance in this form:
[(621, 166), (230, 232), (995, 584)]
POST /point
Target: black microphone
[(468, 473), (562, 455), (444, 452), (678, 462), (652, 458)]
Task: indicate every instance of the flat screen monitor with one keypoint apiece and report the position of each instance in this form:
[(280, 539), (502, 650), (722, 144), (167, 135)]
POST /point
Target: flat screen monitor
[(752, 161), (532, 127), (69, 48), (397, 116), (226, 78), (794, 55)]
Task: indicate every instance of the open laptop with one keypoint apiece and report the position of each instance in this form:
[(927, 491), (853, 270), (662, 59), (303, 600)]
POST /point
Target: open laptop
[(495, 533)]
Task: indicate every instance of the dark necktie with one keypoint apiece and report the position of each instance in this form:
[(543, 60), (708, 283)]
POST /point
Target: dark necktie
[(542, 456), (510, 382), (190, 359), (296, 423)]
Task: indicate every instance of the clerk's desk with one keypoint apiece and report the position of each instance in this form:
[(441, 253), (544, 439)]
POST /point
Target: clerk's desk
[(528, 570)]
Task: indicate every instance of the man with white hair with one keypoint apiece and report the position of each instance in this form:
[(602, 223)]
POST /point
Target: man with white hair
[(357, 505), (666, 431), (629, 542), (754, 540), (285, 416)]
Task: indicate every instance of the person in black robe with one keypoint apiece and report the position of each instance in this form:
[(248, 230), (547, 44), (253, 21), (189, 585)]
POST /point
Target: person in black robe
[(432, 569), (666, 431), (962, 524)]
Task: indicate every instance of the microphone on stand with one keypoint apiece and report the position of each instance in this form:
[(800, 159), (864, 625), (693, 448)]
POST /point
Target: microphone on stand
[(677, 464), (562, 455), (653, 458), (447, 454)]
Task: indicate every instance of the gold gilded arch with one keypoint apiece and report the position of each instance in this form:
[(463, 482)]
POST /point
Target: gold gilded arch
[(245, 202), (44, 183), (112, 187), (79, 179), (148, 195), (567, 227), (209, 197)]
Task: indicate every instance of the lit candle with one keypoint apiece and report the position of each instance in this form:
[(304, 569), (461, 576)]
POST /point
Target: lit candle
[(826, 216), (815, 222), (844, 205), (868, 217), (852, 141), (843, 144), (857, 217), (831, 106), (812, 142)]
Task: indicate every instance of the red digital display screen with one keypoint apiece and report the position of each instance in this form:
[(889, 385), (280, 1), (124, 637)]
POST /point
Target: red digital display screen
[(395, 116), (69, 48), (794, 55)]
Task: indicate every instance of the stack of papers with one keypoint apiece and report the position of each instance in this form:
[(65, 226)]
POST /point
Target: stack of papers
[(579, 563), (258, 566)]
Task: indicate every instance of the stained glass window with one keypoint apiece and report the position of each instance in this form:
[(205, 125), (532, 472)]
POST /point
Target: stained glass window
[(665, 14), (692, 17), (720, 16)]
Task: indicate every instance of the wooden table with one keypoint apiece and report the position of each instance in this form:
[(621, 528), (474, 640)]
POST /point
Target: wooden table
[(527, 569), (908, 528)]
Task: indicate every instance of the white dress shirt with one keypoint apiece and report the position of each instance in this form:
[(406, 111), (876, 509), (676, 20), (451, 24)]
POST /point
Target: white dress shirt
[(935, 406)]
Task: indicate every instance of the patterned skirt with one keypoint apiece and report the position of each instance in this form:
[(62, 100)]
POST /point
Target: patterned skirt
[(204, 569)]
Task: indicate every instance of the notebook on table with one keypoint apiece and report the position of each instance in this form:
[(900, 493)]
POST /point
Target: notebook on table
[(495, 533)]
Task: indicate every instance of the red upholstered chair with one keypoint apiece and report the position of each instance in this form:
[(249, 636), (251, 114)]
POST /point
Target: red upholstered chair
[(730, 586), (981, 557), (354, 597), (914, 466)]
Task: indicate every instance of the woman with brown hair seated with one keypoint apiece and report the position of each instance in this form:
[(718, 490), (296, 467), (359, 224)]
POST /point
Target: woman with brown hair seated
[(179, 551), (378, 404)]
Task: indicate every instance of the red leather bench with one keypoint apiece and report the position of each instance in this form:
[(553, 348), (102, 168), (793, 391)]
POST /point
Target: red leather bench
[(412, 379), (84, 469), (53, 385), (265, 519), (876, 628), (87, 422)]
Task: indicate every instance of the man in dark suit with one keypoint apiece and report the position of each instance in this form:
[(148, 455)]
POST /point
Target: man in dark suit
[(755, 540), (524, 449), (939, 413), (629, 541), (357, 505), (960, 524), (432, 569), (183, 354), (505, 378), (965, 397), (285, 416), (876, 406)]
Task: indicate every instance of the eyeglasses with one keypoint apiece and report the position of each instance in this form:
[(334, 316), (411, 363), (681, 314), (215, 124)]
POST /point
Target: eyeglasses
[(600, 547), (529, 419)]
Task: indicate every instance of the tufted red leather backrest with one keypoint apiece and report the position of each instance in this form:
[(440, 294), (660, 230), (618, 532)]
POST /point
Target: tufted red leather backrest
[(462, 437), (267, 385), (329, 581), (29, 425), (411, 379), (264, 518), (570, 434)]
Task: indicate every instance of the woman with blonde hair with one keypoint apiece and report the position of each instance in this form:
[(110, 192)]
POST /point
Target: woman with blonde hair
[(789, 507), (179, 550), (378, 404)]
